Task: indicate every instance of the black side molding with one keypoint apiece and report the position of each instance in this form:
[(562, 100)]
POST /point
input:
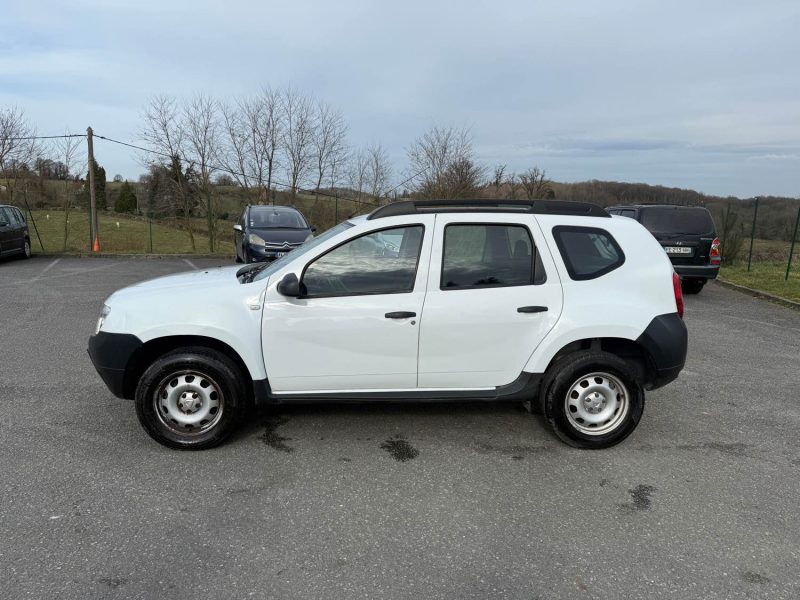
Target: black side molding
[(524, 387)]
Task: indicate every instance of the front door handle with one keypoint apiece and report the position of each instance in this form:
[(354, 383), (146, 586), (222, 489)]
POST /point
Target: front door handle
[(400, 314), (531, 309)]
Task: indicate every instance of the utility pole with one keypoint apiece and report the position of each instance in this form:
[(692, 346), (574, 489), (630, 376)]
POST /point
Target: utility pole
[(95, 241)]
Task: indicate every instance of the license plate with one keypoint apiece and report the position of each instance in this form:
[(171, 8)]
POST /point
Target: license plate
[(279, 254), (677, 250)]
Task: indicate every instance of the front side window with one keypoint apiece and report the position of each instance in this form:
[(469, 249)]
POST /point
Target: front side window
[(5, 216), (484, 255), (381, 262), (588, 252)]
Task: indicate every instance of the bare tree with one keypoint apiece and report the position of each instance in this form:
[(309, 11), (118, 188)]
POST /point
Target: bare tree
[(499, 178), (163, 132), (18, 152), (270, 130), (535, 183), (201, 127), (298, 134), (67, 151), (433, 154), (358, 173), (379, 170), (328, 140), (234, 152)]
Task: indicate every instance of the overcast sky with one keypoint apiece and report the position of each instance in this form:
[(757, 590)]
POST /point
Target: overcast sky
[(700, 94)]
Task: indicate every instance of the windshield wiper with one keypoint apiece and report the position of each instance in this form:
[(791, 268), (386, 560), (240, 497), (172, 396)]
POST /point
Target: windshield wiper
[(248, 274)]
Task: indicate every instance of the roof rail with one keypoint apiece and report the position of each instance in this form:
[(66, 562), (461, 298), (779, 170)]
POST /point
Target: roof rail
[(539, 207)]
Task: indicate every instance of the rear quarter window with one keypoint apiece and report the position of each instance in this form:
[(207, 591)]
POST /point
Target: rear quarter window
[(588, 252)]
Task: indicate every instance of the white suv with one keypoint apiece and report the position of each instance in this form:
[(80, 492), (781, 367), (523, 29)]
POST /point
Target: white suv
[(552, 302)]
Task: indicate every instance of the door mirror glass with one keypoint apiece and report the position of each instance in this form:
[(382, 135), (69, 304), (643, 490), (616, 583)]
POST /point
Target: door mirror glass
[(289, 286), (237, 227)]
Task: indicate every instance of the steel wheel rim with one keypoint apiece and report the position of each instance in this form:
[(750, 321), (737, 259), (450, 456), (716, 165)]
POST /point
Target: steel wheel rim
[(597, 403), (188, 402), (27, 248)]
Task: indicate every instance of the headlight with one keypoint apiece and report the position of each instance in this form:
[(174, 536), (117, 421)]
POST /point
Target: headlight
[(309, 238), (254, 239), (103, 315)]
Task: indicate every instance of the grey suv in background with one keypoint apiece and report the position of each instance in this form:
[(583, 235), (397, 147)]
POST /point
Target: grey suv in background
[(264, 233), (688, 236), (14, 237)]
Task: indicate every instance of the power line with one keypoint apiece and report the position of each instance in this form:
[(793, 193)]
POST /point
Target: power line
[(227, 170), (46, 137)]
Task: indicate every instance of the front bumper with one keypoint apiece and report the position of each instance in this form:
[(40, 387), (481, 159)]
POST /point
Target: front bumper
[(111, 354), (697, 271), (666, 340)]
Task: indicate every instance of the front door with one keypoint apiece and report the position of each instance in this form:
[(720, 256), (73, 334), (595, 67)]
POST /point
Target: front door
[(493, 294), (356, 327)]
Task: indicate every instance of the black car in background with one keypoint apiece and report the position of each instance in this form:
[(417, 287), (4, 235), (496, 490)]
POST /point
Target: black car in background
[(264, 233), (14, 236), (688, 236)]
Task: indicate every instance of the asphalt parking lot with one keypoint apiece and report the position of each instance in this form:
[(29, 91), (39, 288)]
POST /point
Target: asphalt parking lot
[(401, 501)]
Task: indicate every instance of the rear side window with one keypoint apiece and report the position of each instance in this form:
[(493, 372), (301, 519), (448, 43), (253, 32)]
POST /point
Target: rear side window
[(688, 220), (588, 252), (484, 255), (20, 216)]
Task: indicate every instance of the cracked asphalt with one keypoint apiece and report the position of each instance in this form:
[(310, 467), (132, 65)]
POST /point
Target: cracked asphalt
[(398, 501)]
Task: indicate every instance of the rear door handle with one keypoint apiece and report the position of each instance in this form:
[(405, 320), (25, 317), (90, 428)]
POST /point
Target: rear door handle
[(531, 309), (400, 314)]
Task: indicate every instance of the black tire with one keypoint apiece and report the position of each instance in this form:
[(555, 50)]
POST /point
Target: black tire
[(610, 383), (211, 378), (26, 249), (692, 286)]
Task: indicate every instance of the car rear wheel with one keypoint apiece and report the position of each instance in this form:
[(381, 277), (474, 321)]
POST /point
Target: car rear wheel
[(593, 400), (26, 249), (191, 398), (692, 286)]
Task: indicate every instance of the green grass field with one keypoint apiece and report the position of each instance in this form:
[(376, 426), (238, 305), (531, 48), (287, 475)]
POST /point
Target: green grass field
[(118, 234), (767, 277)]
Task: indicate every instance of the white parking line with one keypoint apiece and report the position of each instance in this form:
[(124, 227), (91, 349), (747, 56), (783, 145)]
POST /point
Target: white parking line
[(46, 269), (190, 263)]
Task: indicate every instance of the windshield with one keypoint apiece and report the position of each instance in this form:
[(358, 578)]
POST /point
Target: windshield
[(278, 264), (276, 217), (694, 221)]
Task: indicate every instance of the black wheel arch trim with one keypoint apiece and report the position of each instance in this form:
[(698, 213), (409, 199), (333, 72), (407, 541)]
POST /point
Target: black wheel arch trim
[(666, 339), (111, 353)]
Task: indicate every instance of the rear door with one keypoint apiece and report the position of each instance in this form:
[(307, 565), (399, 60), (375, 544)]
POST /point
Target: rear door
[(493, 294)]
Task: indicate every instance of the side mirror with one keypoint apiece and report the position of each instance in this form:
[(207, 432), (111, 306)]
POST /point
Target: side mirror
[(237, 227), (313, 228), (289, 286)]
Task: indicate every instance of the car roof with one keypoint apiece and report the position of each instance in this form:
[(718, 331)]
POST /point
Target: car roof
[(472, 205)]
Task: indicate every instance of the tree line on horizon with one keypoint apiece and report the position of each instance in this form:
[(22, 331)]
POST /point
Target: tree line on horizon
[(280, 143)]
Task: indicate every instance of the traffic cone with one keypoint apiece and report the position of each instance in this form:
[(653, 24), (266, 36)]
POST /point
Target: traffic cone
[(96, 247)]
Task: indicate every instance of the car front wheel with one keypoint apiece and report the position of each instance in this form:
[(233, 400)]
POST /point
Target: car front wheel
[(190, 398), (593, 400)]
